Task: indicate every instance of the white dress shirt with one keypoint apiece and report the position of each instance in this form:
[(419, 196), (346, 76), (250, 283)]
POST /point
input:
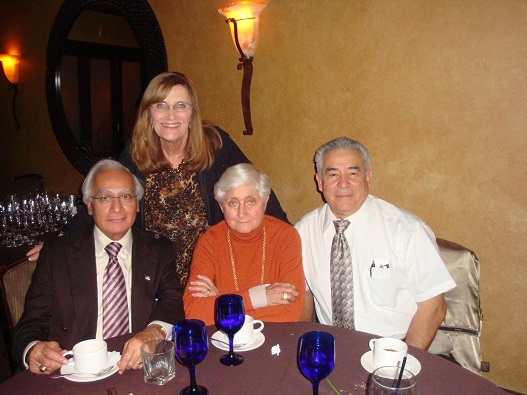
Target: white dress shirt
[(396, 264)]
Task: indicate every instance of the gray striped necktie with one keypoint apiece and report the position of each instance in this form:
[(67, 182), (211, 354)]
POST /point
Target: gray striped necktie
[(341, 278), (115, 302)]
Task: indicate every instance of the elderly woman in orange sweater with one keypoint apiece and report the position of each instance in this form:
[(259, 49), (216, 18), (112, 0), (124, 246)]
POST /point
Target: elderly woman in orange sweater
[(248, 253)]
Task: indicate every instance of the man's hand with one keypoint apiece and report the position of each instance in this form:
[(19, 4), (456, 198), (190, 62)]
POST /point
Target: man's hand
[(131, 355), (281, 294), (48, 354)]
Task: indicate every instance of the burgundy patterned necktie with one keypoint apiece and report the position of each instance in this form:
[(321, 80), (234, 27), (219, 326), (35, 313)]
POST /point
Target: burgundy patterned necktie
[(341, 278), (114, 300)]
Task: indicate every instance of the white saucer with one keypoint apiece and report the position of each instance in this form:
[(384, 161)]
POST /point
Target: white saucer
[(113, 358), (412, 364), (259, 339)]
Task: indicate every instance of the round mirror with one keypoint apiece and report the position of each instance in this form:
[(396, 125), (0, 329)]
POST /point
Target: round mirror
[(107, 80)]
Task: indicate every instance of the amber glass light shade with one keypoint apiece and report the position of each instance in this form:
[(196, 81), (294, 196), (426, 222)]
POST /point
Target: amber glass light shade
[(247, 16), (10, 65)]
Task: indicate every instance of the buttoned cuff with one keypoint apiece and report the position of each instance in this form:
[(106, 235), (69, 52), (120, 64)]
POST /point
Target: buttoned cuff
[(258, 296), (26, 350)]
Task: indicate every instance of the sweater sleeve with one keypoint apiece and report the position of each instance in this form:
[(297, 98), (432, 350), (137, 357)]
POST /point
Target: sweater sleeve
[(287, 264), (203, 262)]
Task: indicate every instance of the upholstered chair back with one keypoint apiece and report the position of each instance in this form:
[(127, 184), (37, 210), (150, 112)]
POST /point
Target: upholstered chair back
[(463, 319)]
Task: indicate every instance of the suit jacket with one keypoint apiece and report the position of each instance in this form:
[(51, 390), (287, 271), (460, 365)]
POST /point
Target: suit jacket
[(61, 302)]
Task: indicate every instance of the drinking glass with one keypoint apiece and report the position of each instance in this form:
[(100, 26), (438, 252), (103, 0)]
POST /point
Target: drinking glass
[(229, 316), (158, 361), (316, 356), (192, 345), (385, 381)]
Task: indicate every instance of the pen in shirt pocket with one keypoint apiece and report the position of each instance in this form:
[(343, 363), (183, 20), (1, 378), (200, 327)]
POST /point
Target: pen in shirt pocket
[(371, 267)]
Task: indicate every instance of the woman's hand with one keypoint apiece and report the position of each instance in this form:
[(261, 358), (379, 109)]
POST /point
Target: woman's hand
[(203, 287), (281, 294), (33, 253)]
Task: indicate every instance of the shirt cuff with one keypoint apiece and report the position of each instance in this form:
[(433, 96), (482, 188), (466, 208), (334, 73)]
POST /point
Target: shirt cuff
[(258, 296), (168, 328), (26, 350)]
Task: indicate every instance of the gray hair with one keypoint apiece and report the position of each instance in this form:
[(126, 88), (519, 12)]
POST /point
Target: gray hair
[(242, 175), (87, 185), (342, 143)]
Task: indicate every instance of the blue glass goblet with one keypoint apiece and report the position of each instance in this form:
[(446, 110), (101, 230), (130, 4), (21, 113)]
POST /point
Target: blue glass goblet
[(316, 356), (192, 345), (229, 316)]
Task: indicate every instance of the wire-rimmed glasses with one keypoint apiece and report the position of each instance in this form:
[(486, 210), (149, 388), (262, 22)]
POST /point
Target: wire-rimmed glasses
[(104, 200), (180, 106)]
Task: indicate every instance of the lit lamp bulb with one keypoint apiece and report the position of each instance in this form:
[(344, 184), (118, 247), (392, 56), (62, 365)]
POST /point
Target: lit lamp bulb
[(10, 64), (243, 17), (247, 17), (10, 67)]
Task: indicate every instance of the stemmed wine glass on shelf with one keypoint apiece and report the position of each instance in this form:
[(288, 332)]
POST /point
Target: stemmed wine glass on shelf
[(229, 316), (316, 356), (192, 345)]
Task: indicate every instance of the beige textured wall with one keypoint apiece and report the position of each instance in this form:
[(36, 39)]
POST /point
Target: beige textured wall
[(436, 89), (24, 30)]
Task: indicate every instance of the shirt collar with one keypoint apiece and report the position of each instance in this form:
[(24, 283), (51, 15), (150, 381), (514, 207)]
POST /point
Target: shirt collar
[(101, 241), (356, 219)]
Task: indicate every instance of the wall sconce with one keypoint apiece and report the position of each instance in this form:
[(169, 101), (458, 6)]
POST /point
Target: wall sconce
[(243, 17), (10, 70)]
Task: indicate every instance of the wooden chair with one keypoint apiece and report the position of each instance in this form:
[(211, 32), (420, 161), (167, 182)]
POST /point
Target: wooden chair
[(464, 317), (14, 283)]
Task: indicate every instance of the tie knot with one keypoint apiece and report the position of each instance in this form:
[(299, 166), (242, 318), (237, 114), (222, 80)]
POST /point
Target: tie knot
[(341, 225), (113, 249)]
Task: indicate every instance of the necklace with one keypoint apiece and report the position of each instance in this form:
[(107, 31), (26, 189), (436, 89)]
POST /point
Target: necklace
[(232, 258)]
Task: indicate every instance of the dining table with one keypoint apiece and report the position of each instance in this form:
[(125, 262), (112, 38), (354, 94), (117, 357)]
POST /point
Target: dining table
[(267, 371)]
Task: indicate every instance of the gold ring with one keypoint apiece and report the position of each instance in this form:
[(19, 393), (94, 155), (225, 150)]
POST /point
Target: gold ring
[(139, 362), (285, 295), (42, 368)]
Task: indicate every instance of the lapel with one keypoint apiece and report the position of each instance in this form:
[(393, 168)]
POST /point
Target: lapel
[(144, 268), (80, 260)]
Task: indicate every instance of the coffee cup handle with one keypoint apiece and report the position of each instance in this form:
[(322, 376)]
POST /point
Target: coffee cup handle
[(372, 344), (70, 352), (259, 329)]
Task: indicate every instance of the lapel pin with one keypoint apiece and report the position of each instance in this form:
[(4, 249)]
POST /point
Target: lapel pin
[(147, 278)]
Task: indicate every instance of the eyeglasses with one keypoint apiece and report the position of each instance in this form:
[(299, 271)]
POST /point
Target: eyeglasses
[(105, 200), (180, 106)]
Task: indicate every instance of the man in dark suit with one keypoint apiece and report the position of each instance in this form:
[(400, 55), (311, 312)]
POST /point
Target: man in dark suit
[(66, 303)]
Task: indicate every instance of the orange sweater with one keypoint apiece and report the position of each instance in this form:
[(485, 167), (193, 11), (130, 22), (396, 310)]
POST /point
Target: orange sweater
[(283, 263)]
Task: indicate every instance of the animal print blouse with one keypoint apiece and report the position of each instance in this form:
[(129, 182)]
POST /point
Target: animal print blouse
[(174, 208)]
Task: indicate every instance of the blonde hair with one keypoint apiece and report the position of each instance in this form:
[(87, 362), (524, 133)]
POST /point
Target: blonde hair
[(203, 140)]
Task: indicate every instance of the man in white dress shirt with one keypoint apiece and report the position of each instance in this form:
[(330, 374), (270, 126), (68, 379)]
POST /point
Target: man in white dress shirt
[(398, 276)]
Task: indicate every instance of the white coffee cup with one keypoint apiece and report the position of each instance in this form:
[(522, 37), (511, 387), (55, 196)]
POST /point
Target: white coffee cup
[(246, 334), (89, 356), (388, 351)]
